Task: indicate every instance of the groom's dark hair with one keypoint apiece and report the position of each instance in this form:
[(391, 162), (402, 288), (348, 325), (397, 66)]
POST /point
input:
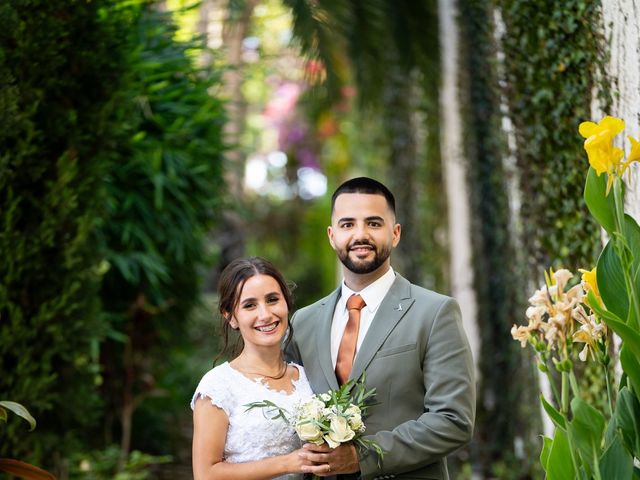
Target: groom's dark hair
[(364, 185)]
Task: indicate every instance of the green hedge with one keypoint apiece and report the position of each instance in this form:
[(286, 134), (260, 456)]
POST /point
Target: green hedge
[(164, 187), (60, 65)]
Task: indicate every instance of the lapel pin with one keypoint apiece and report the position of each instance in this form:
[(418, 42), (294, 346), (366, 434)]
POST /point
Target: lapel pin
[(399, 307)]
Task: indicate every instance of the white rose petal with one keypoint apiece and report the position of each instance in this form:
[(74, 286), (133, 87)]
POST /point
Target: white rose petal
[(339, 430), (308, 432)]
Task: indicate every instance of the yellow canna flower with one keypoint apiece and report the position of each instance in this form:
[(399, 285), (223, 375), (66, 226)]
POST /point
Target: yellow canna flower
[(589, 281), (608, 124), (603, 156), (634, 154)]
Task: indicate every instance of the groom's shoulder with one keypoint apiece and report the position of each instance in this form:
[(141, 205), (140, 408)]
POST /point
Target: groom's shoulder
[(426, 295), (311, 309), (423, 292)]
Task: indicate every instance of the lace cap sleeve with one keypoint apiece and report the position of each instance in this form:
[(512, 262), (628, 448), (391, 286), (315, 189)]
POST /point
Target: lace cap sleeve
[(215, 386)]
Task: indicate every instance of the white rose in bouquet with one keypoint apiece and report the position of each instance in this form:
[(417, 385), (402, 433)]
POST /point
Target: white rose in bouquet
[(339, 431), (354, 414), (311, 409), (309, 432)]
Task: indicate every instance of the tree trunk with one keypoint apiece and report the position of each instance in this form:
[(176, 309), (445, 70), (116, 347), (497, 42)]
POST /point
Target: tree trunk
[(461, 270)]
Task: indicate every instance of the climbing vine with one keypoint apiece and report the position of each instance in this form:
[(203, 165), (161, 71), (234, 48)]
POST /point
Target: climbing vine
[(504, 417), (553, 60), (549, 63)]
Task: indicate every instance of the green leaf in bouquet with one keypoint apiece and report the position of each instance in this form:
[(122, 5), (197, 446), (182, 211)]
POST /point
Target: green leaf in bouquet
[(559, 467), (627, 417), (366, 445), (616, 462), (601, 206), (555, 416), (269, 408), (611, 284), (587, 427)]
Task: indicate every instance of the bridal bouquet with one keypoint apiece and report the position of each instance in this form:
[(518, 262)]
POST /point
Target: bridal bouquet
[(333, 418)]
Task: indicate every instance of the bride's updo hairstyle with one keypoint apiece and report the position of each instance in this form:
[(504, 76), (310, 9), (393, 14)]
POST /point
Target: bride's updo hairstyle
[(232, 280)]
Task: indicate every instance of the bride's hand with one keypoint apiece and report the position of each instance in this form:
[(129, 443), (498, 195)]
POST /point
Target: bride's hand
[(296, 461), (327, 461)]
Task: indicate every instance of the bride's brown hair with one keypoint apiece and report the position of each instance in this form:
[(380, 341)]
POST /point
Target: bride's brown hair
[(232, 280)]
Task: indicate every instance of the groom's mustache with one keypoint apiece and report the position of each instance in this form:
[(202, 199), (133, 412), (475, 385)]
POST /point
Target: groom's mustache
[(360, 243)]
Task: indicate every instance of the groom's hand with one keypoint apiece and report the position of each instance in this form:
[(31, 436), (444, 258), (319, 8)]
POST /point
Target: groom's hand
[(331, 461)]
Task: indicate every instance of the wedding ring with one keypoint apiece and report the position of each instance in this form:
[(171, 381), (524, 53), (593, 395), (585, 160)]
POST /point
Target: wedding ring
[(328, 467)]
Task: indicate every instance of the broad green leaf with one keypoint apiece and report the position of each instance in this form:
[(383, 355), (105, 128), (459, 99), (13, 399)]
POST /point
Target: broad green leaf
[(631, 366), (20, 411), (632, 237), (3, 414), (546, 450), (629, 336), (627, 416), (611, 282), (559, 464), (24, 470), (610, 433), (555, 416), (601, 206), (616, 462), (587, 427)]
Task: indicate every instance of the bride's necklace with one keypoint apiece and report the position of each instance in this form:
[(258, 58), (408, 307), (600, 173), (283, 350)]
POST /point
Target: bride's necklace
[(281, 372)]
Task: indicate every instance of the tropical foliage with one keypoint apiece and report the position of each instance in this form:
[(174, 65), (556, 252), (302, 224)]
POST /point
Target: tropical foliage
[(163, 187), (61, 65), (110, 176), (569, 324)]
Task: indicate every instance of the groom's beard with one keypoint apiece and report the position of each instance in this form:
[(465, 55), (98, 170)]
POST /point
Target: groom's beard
[(364, 266)]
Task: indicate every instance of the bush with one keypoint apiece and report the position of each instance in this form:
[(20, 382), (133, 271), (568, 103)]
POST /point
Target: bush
[(60, 70)]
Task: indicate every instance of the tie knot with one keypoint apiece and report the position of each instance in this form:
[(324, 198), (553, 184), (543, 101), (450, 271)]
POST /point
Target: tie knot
[(355, 302)]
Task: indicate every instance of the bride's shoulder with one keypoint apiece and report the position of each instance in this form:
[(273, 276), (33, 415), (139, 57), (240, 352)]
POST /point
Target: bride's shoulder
[(215, 386), (216, 374), (301, 374)]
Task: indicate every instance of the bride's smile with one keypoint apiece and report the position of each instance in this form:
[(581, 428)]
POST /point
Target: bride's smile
[(269, 328)]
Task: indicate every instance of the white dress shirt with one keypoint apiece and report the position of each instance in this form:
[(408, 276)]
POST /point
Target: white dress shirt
[(372, 295)]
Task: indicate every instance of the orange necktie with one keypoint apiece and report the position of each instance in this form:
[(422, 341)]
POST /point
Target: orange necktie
[(347, 349)]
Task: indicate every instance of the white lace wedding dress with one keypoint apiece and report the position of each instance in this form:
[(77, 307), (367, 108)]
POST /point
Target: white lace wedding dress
[(253, 435)]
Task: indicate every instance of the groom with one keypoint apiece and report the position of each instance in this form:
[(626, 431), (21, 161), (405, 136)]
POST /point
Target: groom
[(409, 341)]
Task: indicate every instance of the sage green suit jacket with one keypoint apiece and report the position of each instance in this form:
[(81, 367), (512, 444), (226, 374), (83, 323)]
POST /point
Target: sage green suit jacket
[(417, 356)]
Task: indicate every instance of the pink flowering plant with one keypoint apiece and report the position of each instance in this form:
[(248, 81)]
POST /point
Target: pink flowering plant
[(571, 320)]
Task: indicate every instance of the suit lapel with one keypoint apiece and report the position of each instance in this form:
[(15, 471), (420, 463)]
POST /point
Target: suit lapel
[(394, 306), (323, 339)]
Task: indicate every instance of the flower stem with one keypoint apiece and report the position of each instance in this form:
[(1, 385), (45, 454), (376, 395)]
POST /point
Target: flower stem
[(565, 414), (554, 389), (609, 394), (575, 389)]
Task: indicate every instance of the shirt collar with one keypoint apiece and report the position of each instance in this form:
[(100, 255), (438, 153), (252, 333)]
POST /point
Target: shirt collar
[(372, 294)]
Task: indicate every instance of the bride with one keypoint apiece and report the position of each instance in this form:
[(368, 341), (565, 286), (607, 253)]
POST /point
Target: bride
[(229, 442)]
